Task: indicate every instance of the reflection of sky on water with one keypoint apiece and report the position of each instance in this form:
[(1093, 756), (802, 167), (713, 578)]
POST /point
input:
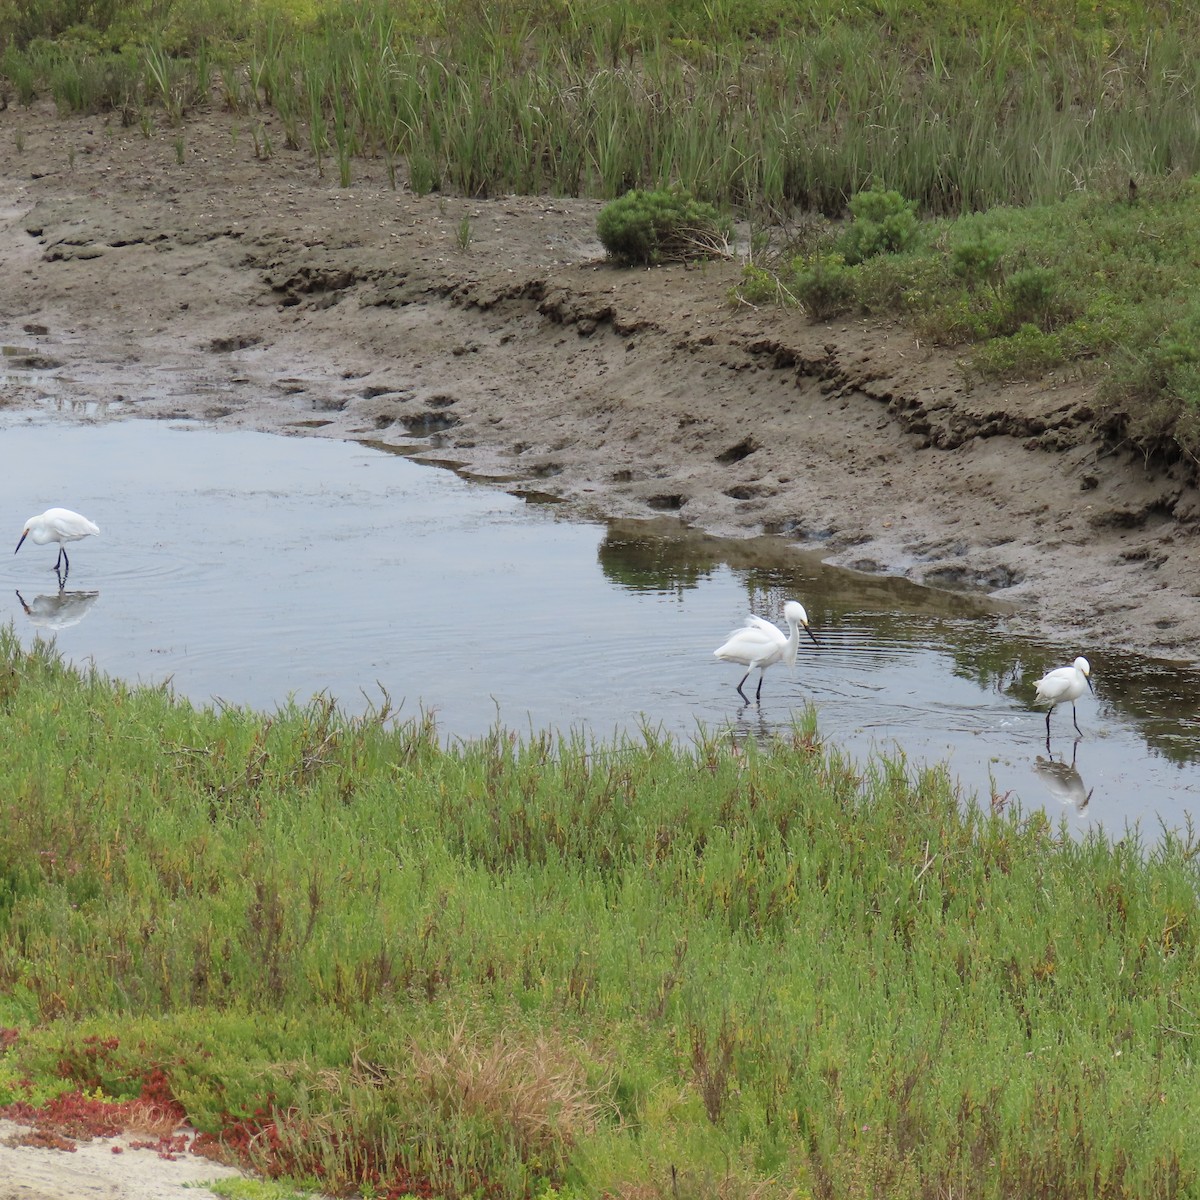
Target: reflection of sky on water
[(252, 567)]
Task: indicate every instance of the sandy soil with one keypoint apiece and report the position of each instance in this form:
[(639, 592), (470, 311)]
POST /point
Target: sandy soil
[(101, 1169), (252, 292)]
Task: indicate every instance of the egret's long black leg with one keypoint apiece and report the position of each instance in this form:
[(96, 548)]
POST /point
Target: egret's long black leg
[(1077, 729), (1048, 712), (740, 692), (758, 694)]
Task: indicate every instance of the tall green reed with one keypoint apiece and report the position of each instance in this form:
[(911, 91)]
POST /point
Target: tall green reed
[(956, 118)]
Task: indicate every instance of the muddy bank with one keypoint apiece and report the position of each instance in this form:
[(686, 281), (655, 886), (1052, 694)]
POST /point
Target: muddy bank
[(492, 334)]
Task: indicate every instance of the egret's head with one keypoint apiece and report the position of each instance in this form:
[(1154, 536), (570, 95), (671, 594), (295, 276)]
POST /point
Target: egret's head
[(1082, 665), (794, 613)]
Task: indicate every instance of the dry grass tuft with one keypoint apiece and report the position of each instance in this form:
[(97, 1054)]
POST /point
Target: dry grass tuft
[(537, 1092)]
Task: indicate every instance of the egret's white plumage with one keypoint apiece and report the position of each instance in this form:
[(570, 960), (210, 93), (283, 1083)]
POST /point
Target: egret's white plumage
[(59, 525), (1063, 684), (759, 643)]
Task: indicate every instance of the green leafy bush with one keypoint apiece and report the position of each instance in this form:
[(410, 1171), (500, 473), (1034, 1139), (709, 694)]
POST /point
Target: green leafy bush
[(883, 223), (761, 286), (824, 286), (976, 260), (1031, 296), (1153, 392), (669, 225), (1027, 354)]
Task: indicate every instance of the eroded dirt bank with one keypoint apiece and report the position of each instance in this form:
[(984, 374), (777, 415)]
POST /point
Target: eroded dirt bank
[(254, 293)]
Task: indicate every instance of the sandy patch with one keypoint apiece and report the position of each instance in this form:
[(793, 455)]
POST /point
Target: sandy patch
[(100, 1169)]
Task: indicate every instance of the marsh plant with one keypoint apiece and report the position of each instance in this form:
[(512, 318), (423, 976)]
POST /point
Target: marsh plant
[(956, 113), (534, 964), (667, 225), (1085, 287)]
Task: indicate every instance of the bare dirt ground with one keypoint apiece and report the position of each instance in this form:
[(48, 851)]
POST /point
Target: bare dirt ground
[(253, 292), (120, 1168)]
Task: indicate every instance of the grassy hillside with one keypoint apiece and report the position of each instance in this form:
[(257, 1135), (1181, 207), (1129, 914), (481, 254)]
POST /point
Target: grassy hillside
[(533, 967)]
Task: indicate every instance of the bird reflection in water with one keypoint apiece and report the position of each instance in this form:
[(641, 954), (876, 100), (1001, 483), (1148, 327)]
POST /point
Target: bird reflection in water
[(1062, 780), (750, 724), (59, 611)]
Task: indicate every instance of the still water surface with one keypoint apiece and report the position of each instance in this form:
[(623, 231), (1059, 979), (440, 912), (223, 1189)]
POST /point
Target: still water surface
[(253, 568)]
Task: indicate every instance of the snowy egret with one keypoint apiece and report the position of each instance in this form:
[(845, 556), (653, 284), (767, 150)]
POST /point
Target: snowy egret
[(1062, 684), (59, 525), (759, 644)]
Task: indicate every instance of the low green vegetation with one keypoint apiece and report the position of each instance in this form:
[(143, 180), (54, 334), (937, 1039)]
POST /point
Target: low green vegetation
[(533, 966), (768, 105), (538, 967), (1097, 286), (668, 225)]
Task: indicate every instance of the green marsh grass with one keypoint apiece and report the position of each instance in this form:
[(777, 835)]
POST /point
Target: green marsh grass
[(605, 97), (542, 963)]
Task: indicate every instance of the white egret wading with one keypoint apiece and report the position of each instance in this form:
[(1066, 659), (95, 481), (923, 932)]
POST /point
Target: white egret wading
[(59, 525), (759, 644), (1062, 684)]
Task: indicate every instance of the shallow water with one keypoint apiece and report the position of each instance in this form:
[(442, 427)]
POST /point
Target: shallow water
[(253, 568)]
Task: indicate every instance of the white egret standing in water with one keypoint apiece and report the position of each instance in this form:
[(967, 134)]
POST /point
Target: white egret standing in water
[(1062, 684), (59, 525), (759, 644)]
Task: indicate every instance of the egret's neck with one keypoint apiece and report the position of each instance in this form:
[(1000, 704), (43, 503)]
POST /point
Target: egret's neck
[(793, 644)]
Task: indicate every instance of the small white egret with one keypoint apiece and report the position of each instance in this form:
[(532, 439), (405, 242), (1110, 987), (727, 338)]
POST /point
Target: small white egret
[(1062, 684), (759, 644), (59, 525)]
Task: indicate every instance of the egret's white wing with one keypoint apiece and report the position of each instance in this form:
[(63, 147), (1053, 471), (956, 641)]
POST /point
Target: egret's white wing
[(751, 644), (1054, 684), (753, 622)]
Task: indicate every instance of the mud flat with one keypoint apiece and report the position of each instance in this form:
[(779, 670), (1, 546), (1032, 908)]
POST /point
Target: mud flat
[(492, 334)]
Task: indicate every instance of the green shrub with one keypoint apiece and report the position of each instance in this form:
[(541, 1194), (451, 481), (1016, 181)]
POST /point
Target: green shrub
[(669, 225), (760, 286), (1030, 297), (1153, 393), (883, 223), (977, 260), (824, 286), (1027, 354)]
